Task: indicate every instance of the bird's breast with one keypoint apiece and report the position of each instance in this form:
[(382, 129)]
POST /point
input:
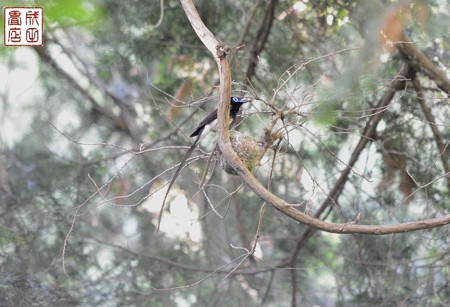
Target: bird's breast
[(210, 127)]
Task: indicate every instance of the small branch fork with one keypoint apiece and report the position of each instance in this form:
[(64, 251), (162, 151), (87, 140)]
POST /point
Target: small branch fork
[(220, 52)]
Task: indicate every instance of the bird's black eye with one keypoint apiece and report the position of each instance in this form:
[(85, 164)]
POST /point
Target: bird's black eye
[(235, 99)]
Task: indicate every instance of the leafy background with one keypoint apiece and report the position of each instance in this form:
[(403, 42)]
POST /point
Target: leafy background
[(94, 123)]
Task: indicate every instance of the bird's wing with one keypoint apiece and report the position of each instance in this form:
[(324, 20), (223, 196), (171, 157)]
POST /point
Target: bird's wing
[(208, 119)]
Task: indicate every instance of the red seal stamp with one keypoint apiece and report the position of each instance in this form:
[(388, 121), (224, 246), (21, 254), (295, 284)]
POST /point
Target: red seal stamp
[(23, 26)]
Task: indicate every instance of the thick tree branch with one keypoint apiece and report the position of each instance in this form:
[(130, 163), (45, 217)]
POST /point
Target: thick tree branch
[(432, 122), (260, 40), (369, 133), (422, 63), (404, 75), (219, 51), (207, 38)]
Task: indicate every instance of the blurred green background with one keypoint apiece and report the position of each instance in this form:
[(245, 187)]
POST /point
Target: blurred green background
[(93, 124)]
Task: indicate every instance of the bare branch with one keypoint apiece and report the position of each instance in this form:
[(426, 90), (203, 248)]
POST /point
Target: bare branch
[(202, 31), (220, 51)]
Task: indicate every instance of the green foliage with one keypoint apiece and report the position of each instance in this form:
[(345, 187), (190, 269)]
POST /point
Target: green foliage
[(325, 114), (63, 13)]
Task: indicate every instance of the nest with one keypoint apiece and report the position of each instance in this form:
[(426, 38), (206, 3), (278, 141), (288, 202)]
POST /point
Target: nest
[(248, 149)]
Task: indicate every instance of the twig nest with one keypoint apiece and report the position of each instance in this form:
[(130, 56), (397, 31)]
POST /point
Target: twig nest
[(248, 149)]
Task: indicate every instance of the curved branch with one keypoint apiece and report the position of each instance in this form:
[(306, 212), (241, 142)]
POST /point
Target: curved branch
[(442, 147), (398, 83), (219, 51), (422, 63), (208, 39)]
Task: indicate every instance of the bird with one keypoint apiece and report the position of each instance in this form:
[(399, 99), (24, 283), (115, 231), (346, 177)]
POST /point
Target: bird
[(210, 121), (207, 124)]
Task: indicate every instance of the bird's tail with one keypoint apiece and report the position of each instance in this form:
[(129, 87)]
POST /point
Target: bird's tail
[(180, 167)]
